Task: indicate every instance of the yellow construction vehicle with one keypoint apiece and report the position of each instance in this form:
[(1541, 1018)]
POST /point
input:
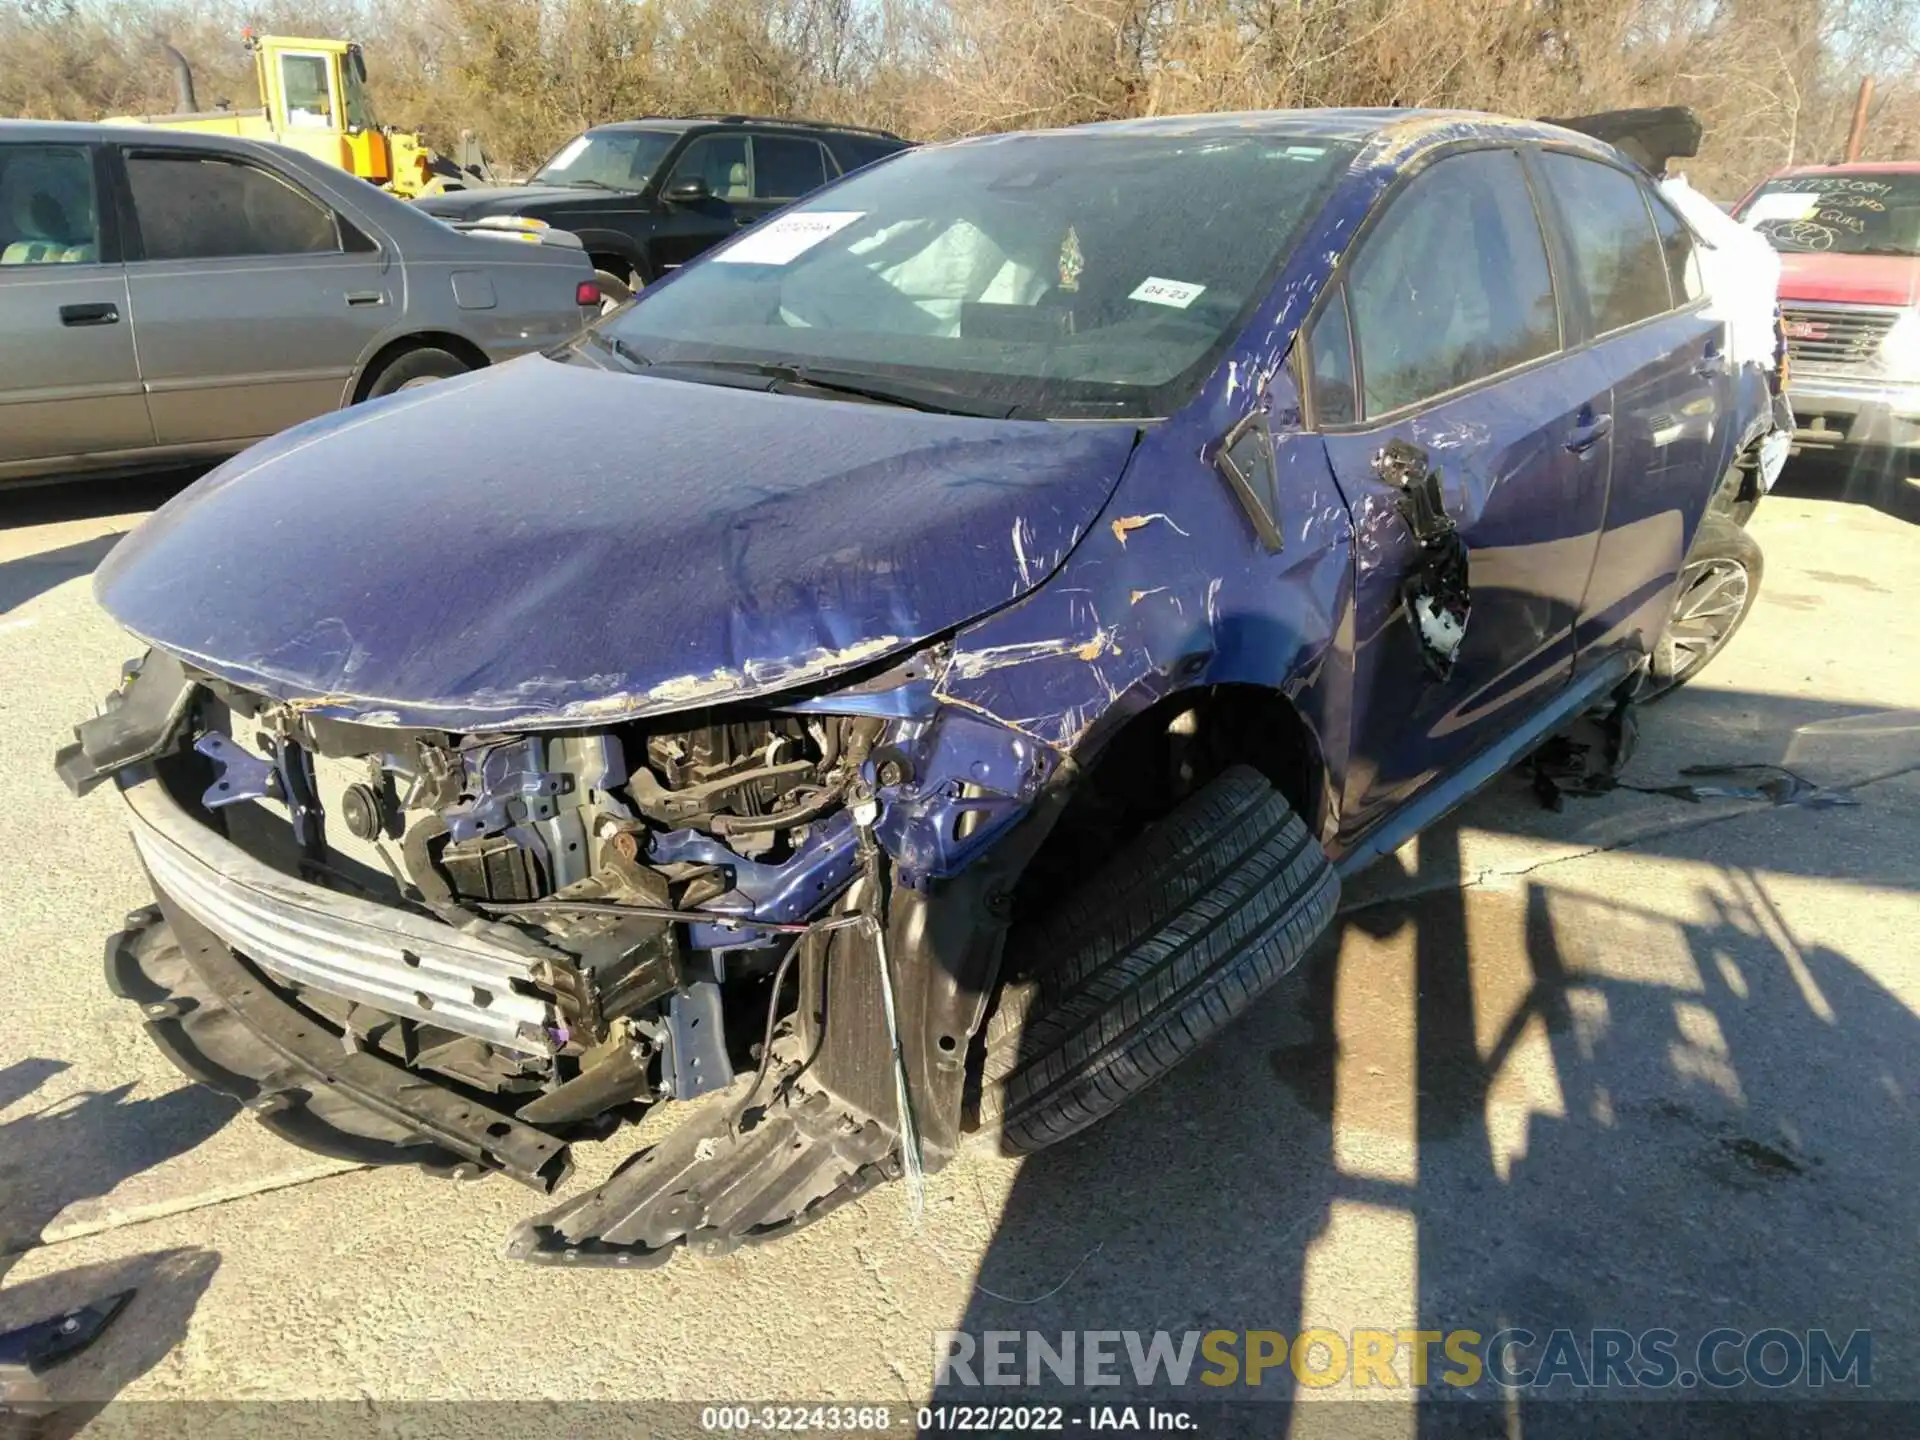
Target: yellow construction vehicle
[(313, 97)]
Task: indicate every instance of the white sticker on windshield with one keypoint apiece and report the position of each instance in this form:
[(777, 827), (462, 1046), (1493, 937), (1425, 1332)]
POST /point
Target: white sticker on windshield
[(1780, 207), (1177, 293), (785, 237), (569, 153)]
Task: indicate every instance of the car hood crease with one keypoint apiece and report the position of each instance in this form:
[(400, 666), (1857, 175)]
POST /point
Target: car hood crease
[(549, 543)]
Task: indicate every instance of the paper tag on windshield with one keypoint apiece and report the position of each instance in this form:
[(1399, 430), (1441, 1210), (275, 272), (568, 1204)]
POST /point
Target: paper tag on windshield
[(1780, 207), (785, 237), (1177, 293), (569, 153)]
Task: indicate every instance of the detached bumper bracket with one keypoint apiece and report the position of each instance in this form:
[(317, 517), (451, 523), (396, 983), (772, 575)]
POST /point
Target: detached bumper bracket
[(140, 721), (317, 1054)]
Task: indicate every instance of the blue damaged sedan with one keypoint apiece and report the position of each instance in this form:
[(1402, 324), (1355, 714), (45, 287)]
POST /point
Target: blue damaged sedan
[(921, 670)]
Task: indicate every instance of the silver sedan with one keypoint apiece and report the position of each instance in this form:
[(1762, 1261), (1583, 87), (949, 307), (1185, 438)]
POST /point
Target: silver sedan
[(169, 297)]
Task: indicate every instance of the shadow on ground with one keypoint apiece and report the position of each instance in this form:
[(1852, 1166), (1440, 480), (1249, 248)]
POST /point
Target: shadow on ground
[(1880, 482), (23, 576), (1727, 1140), (50, 502), (58, 1156)]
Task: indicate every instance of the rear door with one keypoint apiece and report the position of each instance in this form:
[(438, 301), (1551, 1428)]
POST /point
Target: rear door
[(1639, 304), (69, 381), (1456, 337), (253, 301)]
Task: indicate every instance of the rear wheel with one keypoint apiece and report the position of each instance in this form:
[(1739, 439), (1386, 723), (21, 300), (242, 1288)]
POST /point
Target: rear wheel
[(1149, 958), (414, 369), (1718, 586)]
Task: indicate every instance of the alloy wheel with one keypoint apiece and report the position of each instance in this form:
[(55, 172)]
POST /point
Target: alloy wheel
[(1713, 595)]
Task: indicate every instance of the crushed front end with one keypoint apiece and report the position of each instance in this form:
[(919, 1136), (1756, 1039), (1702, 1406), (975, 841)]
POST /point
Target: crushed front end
[(469, 951)]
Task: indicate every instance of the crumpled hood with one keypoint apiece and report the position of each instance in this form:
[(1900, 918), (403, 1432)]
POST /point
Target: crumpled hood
[(1850, 279), (550, 544)]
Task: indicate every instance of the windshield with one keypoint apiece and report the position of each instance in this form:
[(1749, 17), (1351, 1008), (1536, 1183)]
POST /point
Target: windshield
[(1093, 274), (1851, 214), (607, 159)]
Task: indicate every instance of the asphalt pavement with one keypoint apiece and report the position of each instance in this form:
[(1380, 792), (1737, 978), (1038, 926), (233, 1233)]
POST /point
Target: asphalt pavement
[(1644, 1062)]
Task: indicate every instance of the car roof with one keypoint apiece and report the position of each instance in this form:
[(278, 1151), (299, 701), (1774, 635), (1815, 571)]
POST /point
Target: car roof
[(676, 124), (78, 132), (1394, 135)]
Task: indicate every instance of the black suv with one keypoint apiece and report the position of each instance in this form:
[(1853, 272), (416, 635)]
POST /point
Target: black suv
[(647, 195)]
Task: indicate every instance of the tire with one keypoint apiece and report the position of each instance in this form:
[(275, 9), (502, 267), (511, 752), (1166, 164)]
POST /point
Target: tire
[(1149, 958), (1718, 586), (414, 369)]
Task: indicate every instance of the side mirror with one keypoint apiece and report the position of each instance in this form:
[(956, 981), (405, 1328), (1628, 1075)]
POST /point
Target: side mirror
[(688, 192), (1246, 462)]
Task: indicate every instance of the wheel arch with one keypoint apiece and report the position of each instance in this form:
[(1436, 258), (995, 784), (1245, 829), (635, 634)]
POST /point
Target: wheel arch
[(1181, 741), (457, 345), (626, 254)]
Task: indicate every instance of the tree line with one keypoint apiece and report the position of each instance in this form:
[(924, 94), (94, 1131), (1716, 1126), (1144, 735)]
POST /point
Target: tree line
[(1773, 81)]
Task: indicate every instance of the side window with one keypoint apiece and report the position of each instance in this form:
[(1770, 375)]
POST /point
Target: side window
[(1676, 242), (1330, 364), (359, 106), (721, 161), (1616, 253), (47, 210), (195, 207), (786, 169), (308, 90), (1452, 285)]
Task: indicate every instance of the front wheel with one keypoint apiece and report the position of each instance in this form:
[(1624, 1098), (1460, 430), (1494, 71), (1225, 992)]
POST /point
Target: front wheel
[(1718, 585), (1154, 954)]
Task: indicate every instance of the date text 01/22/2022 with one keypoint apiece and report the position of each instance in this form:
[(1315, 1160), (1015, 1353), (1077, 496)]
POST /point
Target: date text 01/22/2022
[(943, 1419)]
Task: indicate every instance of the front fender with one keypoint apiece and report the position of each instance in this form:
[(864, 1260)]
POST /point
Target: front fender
[(1171, 590)]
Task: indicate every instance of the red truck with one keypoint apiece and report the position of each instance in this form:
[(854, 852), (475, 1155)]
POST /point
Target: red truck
[(1849, 243)]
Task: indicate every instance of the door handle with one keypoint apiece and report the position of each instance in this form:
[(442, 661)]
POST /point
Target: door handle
[(1586, 436), (741, 222), (366, 297), (104, 313)]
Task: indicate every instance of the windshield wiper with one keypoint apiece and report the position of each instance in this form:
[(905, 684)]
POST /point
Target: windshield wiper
[(619, 347), (581, 185), (934, 399)]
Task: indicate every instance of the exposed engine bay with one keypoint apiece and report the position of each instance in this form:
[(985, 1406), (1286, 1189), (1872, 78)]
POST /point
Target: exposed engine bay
[(554, 931), (614, 858)]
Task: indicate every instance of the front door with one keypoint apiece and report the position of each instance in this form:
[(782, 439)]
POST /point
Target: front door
[(69, 379), (1457, 350), (747, 179), (252, 300), (686, 227)]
